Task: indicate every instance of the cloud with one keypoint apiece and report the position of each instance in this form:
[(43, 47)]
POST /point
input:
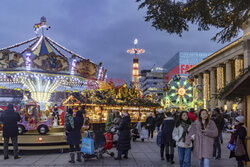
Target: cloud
[(101, 31)]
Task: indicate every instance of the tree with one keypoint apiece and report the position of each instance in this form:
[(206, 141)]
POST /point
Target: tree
[(174, 16)]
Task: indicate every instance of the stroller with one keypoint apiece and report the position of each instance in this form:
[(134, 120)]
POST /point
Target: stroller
[(139, 132), (108, 145), (94, 146), (135, 133)]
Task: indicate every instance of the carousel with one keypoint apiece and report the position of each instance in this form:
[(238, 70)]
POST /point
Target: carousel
[(40, 68)]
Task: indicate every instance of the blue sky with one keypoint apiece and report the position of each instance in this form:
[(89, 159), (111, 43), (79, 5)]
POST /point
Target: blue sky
[(101, 30)]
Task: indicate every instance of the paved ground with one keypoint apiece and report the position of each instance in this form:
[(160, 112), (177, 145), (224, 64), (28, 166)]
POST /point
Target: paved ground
[(142, 154)]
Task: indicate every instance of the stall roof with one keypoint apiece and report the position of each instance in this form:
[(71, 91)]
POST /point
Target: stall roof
[(240, 88)]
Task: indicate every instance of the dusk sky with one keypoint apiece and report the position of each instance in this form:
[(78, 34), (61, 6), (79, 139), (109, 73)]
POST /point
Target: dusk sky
[(101, 30)]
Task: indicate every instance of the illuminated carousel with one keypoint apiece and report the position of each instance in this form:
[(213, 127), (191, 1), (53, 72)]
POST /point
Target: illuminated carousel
[(38, 68)]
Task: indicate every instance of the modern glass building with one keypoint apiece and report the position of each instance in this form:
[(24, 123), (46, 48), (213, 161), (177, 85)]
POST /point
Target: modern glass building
[(152, 82), (181, 62)]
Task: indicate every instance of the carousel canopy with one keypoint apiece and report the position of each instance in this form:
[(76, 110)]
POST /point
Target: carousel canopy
[(42, 54)]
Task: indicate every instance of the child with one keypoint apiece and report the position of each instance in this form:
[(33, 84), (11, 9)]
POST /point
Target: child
[(69, 120)]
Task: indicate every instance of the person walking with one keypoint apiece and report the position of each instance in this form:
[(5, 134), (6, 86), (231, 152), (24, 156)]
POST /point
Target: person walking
[(74, 136), (204, 131), (238, 137), (167, 141), (10, 130), (109, 120), (150, 123), (219, 122), (182, 127), (159, 119), (123, 144)]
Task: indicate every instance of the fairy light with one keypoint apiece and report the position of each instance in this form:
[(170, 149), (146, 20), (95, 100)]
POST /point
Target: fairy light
[(73, 66), (40, 39), (28, 61)]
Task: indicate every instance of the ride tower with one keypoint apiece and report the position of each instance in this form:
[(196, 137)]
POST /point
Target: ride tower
[(135, 73)]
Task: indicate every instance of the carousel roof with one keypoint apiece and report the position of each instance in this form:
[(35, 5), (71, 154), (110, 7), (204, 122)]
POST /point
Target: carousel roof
[(42, 54)]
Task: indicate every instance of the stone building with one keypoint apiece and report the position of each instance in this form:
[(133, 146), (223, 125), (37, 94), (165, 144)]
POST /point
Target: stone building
[(220, 68)]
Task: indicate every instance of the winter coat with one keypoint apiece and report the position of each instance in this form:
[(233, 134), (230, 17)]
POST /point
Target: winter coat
[(159, 119), (177, 134), (74, 135), (68, 121), (203, 142), (124, 134), (219, 122), (192, 116), (10, 119), (108, 121), (150, 122), (167, 130), (241, 132)]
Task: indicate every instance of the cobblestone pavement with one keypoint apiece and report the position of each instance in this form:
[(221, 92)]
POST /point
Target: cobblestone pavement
[(142, 154)]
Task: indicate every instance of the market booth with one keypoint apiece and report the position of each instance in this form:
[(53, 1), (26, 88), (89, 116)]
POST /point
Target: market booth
[(97, 113), (239, 88)]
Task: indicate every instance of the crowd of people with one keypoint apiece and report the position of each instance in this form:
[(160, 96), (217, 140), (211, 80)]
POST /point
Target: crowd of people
[(200, 132)]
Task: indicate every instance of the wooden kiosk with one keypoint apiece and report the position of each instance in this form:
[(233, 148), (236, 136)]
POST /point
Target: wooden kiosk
[(240, 88)]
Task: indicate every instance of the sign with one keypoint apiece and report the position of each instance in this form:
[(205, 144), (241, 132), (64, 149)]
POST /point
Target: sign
[(185, 67)]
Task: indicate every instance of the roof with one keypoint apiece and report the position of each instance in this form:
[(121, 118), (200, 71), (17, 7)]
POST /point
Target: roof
[(239, 88), (232, 44)]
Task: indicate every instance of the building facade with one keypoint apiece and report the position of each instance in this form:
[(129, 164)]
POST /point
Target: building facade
[(219, 69), (181, 62), (152, 82)]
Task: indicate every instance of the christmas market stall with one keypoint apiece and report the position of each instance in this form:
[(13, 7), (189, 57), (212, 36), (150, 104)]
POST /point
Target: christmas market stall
[(238, 90), (98, 102)]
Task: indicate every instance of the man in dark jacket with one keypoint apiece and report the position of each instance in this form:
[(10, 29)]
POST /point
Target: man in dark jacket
[(168, 142), (150, 123), (217, 117), (10, 130), (159, 119), (123, 144)]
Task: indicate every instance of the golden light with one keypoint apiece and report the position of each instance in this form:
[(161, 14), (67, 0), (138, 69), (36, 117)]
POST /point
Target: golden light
[(181, 91)]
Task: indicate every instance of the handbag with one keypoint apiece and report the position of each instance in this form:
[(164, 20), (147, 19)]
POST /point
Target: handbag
[(158, 138), (239, 148), (230, 146), (87, 145)]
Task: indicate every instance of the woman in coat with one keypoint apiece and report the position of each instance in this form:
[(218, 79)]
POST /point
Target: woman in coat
[(124, 136), (182, 127), (74, 137), (167, 141), (238, 137), (204, 131)]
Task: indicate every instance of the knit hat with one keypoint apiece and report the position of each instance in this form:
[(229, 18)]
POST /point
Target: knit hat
[(240, 119)]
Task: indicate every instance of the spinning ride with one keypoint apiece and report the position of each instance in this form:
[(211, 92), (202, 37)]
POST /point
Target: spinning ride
[(178, 93), (44, 66), (41, 66)]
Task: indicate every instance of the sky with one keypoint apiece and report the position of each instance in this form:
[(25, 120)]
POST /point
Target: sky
[(100, 30)]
